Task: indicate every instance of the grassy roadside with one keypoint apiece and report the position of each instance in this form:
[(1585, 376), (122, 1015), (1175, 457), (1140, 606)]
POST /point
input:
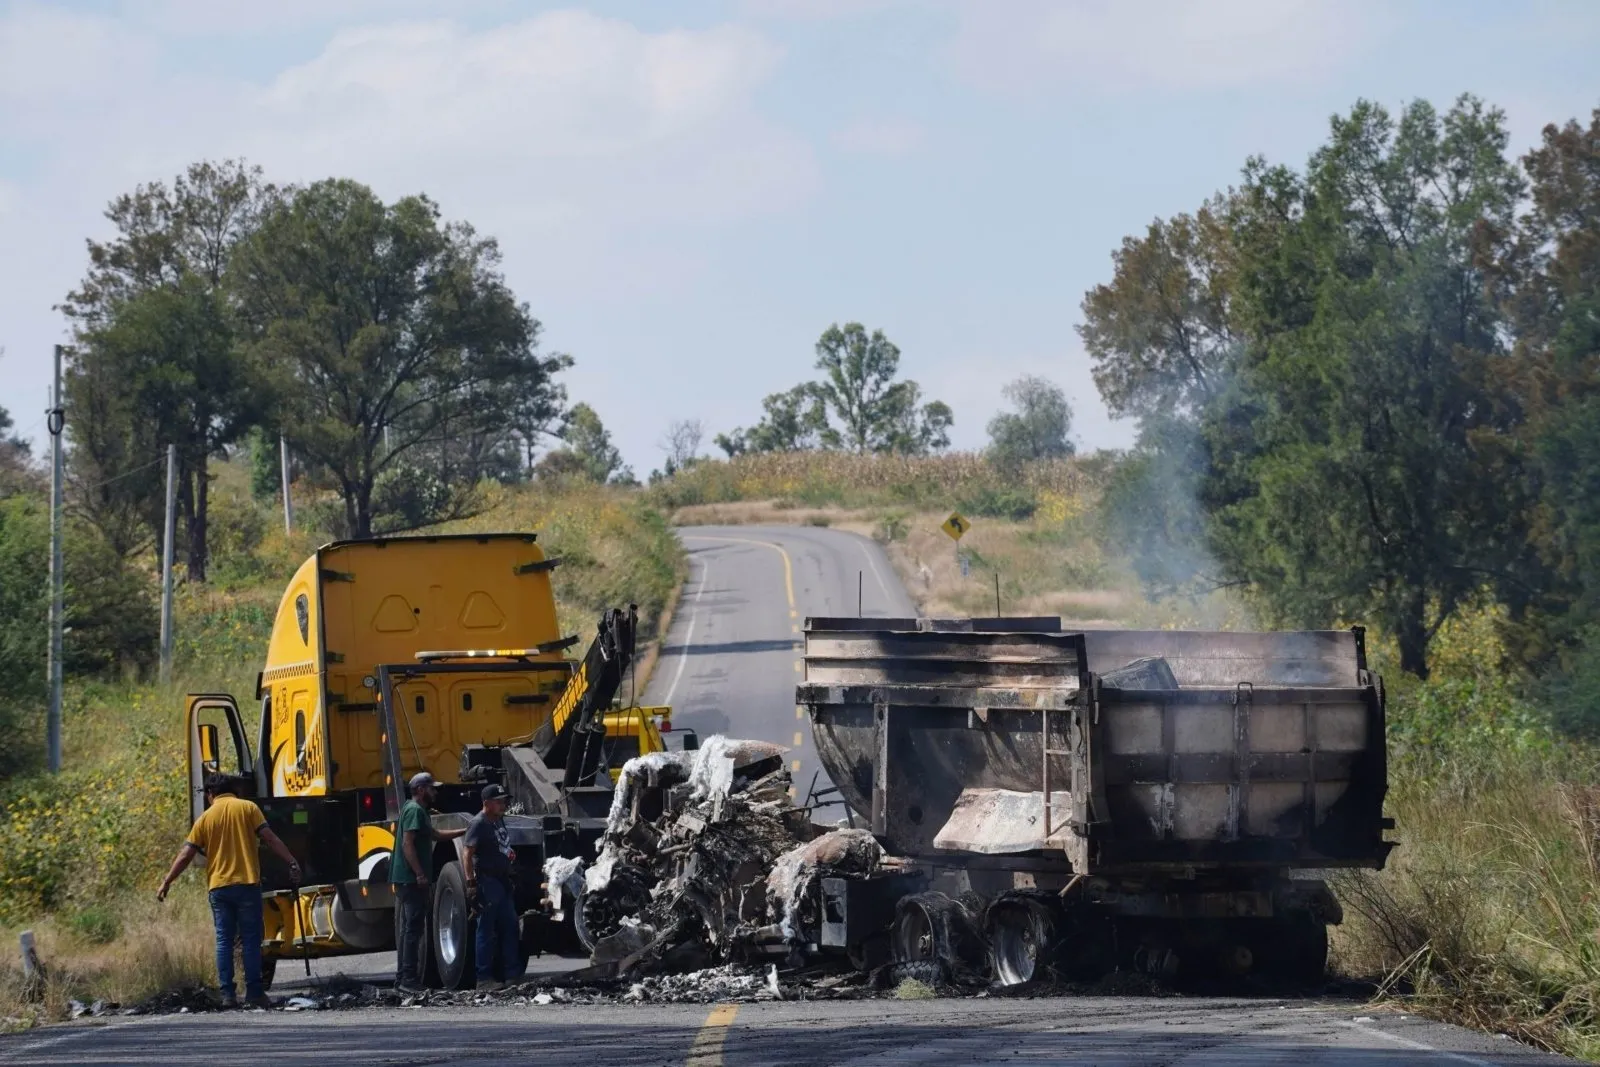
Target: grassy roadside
[(81, 853)]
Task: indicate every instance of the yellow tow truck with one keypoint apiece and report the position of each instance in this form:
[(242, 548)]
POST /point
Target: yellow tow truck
[(395, 655)]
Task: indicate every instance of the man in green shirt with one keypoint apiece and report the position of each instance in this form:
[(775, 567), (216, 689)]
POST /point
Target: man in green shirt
[(411, 874)]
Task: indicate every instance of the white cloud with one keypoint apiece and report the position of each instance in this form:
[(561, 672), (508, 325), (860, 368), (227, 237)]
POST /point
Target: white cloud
[(815, 10), (604, 157), (1168, 44), (880, 137)]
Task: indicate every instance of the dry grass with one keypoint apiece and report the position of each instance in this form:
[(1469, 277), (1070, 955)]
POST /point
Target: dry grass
[(161, 947)]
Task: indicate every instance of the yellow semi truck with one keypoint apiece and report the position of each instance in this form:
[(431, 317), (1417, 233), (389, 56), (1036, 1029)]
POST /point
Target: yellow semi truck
[(395, 655)]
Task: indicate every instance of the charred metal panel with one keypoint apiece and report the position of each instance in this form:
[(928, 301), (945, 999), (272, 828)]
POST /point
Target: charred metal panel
[(1270, 753)]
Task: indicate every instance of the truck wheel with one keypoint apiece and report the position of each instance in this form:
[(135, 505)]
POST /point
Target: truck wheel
[(428, 965), (1020, 934), (453, 930)]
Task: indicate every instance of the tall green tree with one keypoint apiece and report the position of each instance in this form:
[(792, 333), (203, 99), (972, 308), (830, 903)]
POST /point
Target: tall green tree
[(590, 443), (874, 411), (1318, 352), (1349, 471), (155, 360), (1546, 270), (382, 317), (1039, 428)]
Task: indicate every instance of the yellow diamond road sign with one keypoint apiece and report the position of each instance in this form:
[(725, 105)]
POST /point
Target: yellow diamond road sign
[(956, 525)]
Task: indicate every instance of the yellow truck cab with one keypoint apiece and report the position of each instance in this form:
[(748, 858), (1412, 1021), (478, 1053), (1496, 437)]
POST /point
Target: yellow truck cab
[(396, 655)]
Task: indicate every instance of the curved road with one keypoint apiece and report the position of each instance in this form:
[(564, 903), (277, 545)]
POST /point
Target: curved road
[(730, 665), (732, 655)]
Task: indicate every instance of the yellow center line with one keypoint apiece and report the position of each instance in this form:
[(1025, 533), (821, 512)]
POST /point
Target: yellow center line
[(707, 1048)]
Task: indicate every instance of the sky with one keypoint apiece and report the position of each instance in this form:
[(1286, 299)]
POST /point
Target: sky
[(688, 193)]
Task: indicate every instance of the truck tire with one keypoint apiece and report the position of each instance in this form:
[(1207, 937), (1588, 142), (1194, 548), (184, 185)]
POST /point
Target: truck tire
[(428, 965), (1021, 932), (269, 971), (452, 930)]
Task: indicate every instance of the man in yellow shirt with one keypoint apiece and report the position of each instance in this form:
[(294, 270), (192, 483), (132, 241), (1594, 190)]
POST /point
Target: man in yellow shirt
[(227, 835)]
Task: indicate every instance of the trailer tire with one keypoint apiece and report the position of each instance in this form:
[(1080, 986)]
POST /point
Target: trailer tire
[(932, 927), (452, 930), (1021, 933)]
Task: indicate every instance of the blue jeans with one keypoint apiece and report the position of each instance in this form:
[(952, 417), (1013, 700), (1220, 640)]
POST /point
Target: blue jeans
[(497, 931), (236, 912)]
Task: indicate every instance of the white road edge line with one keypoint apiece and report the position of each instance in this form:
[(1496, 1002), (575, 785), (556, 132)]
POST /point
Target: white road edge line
[(688, 634), (1418, 1046)]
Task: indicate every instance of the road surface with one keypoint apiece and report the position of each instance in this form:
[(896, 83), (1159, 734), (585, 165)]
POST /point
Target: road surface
[(1115, 1032), (729, 665), (732, 656)]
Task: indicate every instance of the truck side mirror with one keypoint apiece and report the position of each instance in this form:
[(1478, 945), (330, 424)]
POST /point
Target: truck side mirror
[(691, 740)]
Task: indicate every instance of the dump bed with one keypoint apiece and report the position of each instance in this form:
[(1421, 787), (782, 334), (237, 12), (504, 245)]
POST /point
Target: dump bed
[(1129, 751)]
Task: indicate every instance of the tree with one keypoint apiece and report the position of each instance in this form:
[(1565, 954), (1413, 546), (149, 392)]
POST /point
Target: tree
[(1348, 472), (383, 318), (1039, 427), (590, 444), (1318, 352), (876, 413), (14, 456), (155, 361), (793, 421), (1546, 271), (681, 443), (1161, 333), (539, 409)]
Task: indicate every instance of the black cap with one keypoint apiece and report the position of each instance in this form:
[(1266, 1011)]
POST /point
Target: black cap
[(495, 792)]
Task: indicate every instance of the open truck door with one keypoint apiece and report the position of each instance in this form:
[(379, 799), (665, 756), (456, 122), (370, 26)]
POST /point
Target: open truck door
[(207, 718)]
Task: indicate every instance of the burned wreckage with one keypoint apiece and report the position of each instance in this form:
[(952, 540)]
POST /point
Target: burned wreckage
[(1020, 803)]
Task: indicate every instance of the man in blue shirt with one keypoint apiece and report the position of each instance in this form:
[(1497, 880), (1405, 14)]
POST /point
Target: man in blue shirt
[(487, 867)]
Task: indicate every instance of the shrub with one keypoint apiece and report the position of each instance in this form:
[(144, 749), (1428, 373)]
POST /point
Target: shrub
[(96, 924)]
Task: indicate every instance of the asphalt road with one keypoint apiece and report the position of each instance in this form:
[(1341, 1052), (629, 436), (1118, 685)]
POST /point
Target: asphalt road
[(730, 665), (1117, 1032), (732, 656)]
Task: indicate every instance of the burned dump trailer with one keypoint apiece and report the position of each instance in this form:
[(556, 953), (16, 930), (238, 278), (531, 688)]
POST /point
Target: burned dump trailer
[(1081, 800)]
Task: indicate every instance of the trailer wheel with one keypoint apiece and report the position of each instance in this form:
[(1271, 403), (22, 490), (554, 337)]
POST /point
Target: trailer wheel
[(1020, 934), (453, 929), (931, 926)]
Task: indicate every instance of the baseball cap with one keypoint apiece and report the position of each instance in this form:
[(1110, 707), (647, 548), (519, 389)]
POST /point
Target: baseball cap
[(495, 792), (420, 779)]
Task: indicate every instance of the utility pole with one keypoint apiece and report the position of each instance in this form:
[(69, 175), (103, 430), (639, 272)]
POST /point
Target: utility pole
[(56, 421), (283, 463), (169, 535)]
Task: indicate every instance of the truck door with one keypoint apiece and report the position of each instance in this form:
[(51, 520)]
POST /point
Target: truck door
[(216, 742)]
